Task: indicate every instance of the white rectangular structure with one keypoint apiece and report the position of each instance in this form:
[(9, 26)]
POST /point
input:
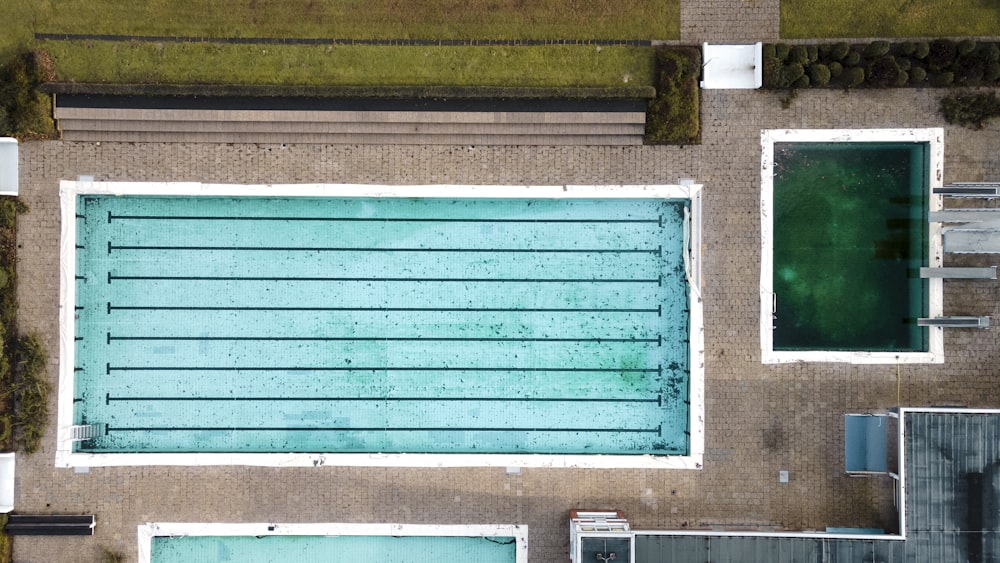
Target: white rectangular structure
[(8, 166), (732, 67)]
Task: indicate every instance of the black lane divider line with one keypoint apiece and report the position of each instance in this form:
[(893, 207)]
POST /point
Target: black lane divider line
[(111, 338), (339, 40), (658, 310), (109, 429), (658, 280), (109, 368), (658, 251), (375, 219), (109, 399)]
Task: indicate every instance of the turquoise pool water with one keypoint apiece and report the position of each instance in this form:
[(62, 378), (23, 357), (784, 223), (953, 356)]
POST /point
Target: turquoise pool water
[(381, 325), (325, 549), (850, 236)]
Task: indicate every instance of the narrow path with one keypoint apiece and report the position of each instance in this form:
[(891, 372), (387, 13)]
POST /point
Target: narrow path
[(730, 21)]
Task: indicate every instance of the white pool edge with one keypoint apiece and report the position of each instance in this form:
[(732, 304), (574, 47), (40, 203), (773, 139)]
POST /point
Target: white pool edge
[(933, 136), (151, 530), (66, 457)]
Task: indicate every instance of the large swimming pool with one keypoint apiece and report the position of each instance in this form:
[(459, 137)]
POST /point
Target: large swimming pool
[(845, 231), (382, 325)]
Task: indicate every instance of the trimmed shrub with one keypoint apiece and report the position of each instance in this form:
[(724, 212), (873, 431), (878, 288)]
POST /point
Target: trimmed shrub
[(812, 53), (853, 77), (922, 50), (767, 50), (991, 73), (852, 58), (906, 48), (674, 116), (941, 79), (798, 54), (823, 51), (990, 53), (965, 47), (970, 110), (901, 79), (969, 71), (819, 75), (903, 62), (942, 54), (835, 69), (801, 82), (839, 50), (781, 51), (876, 49), (883, 72), (771, 72), (790, 73), (917, 75)]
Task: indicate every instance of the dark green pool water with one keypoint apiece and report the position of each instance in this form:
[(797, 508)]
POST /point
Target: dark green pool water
[(850, 234)]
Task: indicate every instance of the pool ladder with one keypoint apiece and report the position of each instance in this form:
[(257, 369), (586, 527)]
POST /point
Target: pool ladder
[(81, 432)]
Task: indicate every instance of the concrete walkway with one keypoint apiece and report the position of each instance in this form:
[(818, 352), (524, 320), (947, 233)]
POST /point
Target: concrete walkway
[(760, 419)]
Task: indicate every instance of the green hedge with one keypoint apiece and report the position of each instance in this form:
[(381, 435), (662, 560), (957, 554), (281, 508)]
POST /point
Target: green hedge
[(881, 64), (674, 116), (24, 111)]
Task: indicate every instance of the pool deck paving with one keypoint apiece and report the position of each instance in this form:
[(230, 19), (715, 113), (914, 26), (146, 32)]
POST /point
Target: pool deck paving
[(759, 418)]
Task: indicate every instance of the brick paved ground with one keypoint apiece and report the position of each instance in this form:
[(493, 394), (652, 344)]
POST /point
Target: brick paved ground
[(759, 418)]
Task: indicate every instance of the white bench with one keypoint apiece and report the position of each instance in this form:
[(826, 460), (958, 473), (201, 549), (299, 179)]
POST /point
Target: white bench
[(8, 166), (6, 482)]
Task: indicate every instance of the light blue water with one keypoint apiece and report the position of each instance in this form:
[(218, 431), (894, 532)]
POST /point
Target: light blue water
[(323, 549), (382, 325)]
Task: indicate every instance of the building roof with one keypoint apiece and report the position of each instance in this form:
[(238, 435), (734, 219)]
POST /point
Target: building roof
[(951, 479)]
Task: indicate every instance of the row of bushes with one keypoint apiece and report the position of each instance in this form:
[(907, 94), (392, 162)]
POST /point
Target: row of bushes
[(881, 64), (24, 388), (674, 116)]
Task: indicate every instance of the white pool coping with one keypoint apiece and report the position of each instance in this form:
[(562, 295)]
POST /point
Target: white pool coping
[(768, 137), (173, 529), (66, 457)]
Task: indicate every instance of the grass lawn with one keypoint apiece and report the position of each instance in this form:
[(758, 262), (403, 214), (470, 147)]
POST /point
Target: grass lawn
[(541, 66), (356, 19), (888, 18), (108, 62)]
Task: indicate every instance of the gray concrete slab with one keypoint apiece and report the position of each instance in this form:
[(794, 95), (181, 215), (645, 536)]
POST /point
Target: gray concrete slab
[(759, 419)]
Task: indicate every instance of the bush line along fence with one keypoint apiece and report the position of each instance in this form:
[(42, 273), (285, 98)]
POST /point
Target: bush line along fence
[(881, 64)]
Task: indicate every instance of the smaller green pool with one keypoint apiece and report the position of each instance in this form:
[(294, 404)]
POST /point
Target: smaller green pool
[(850, 235)]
